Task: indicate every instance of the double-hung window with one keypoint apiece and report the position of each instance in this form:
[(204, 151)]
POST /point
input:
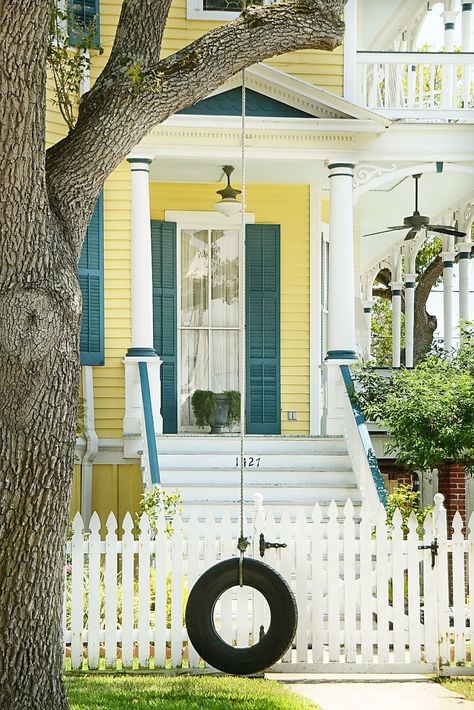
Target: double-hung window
[(218, 9)]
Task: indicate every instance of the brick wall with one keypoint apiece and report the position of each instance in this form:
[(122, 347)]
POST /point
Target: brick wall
[(452, 484)]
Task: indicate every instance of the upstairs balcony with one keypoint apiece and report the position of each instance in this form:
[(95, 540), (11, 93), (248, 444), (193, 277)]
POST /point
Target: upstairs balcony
[(426, 85)]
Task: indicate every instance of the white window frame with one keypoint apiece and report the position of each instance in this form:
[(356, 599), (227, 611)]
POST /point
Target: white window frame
[(195, 11), (205, 221)]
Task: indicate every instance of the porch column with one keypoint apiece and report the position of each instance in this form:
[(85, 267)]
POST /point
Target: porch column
[(448, 72), (466, 46), (341, 302), (367, 306), (464, 249), (141, 346), (448, 263), (409, 317), (396, 287)]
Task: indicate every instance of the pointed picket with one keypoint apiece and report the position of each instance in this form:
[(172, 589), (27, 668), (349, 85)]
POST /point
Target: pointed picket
[(161, 575), (442, 578), (381, 546), (429, 595), (459, 594), (177, 550), (333, 584), (93, 615), (229, 549), (77, 592), (317, 586), (128, 558), (193, 537), (398, 597), (413, 557), (302, 587), (366, 593), (349, 583), (111, 592), (470, 563), (144, 548), (286, 561)]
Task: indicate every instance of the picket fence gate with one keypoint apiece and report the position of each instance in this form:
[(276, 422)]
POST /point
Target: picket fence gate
[(369, 599)]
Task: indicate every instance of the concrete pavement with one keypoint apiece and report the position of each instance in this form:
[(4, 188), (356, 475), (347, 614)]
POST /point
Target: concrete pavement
[(373, 692)]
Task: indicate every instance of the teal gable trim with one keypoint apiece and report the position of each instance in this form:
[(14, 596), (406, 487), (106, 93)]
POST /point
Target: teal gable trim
[(91, 281), (80, 14), (263, 329), (149, 424), (229, 103), (163, 255)]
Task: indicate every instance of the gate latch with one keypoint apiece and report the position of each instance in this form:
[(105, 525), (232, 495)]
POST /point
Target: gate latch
[(434, 550), (264, 545)]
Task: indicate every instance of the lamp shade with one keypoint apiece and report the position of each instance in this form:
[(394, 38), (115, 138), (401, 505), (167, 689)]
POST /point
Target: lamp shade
[(228, 206)]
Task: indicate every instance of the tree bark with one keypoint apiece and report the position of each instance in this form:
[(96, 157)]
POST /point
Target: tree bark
[(45, 205)]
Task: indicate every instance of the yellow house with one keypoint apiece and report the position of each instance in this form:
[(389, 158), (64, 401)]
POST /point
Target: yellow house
[(331, 142)]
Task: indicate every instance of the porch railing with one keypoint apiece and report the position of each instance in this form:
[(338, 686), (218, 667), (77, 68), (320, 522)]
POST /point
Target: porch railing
[(359, 445), (416, 83)]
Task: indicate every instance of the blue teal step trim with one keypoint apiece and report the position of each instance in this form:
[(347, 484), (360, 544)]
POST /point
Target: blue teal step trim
[(149, 424), (364, 436)]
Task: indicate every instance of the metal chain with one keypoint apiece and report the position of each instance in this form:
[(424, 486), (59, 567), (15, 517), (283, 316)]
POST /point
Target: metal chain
[(243, 542)]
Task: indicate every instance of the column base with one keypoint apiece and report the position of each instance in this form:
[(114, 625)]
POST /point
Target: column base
[(333, 410), (132, 421), (141, 352)]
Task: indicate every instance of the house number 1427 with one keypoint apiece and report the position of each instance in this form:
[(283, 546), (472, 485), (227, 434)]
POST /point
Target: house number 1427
[(249, 461)]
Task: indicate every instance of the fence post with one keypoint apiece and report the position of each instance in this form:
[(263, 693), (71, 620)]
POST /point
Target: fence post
[(77, 591), (442, 578)]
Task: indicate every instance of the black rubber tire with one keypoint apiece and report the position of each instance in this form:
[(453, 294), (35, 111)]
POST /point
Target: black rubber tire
[(200, 617)]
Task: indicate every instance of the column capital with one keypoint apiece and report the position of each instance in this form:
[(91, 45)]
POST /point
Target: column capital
[(464, 249), (367, 305), (410, 280), (396, 286), (341, 167), (139, 163), (448, 258), (449, 18), (466, 7)]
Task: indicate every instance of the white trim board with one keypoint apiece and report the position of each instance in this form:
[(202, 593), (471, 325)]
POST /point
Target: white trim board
[(186, 218)]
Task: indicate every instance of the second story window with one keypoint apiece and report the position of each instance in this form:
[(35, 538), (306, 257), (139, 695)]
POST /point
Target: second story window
[(218, 9), (83, 18)]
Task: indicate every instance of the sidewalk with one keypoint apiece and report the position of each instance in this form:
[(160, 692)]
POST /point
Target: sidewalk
[(373, 692)]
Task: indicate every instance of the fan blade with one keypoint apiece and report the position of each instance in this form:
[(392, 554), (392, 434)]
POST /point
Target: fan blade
[(384, 231), (411, 234), (442, 229)]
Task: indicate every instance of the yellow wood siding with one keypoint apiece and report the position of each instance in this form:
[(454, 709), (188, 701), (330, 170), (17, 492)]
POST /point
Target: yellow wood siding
[(109, 381), (287, 205), (117, 489)]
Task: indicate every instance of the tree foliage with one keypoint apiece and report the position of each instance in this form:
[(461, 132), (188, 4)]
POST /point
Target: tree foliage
[(428, 411)]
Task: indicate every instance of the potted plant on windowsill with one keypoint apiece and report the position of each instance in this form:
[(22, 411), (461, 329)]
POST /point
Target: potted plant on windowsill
[(216, 409)]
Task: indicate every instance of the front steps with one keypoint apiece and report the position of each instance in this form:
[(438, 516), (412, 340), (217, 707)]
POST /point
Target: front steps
[(291, 473)]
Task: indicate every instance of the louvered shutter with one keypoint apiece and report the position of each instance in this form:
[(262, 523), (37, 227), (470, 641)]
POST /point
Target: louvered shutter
[(82, 13), (263, 328), (163, 249), (91, 279)]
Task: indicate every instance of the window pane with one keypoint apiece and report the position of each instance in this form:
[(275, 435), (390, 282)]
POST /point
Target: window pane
[(194, 277), (225, 360), (194, 370), (228, 5), (225, 277)]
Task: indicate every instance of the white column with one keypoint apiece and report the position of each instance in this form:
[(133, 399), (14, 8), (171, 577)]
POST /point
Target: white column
[(141, 346), (466, 46), (464, 254), (409, 317), (315, 310), (448, 72), (448, 263), (341, 314), (141, 276), (367, 306), (396, 287), (341, 300), (350, 50)]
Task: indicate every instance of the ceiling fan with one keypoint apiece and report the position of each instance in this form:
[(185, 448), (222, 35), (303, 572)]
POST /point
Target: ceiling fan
[(415, 222)]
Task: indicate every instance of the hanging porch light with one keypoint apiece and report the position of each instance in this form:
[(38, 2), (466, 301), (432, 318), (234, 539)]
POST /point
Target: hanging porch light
[(228, 205)]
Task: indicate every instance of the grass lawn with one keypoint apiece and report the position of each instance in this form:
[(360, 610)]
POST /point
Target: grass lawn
[(463, 686), (180, 693)]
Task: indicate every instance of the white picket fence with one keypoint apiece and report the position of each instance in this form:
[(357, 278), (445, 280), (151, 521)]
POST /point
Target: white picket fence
[(368, 597)]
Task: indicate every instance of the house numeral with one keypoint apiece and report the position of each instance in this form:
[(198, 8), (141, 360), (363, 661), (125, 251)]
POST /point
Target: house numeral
[(249, 462)]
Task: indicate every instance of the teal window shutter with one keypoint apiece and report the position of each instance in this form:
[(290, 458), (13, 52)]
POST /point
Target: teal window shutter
[(262, 284), (163, 255), (81, 14), (91, 280)]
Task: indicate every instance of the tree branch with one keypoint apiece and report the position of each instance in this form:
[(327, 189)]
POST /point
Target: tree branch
[(122, 108)]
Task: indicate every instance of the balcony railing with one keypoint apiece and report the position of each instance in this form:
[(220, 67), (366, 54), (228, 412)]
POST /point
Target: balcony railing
[(416, 84)]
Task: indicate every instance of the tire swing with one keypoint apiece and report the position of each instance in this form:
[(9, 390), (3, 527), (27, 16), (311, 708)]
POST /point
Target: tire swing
[(204, 595)]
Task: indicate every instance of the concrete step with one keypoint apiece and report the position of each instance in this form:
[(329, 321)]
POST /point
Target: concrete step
[(263, 477), (296, 461), (255, 445)]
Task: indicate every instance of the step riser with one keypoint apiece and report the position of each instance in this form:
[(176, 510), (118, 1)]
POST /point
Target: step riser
[(254, 445), (316, 479), (271, 496), (273, 461)]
